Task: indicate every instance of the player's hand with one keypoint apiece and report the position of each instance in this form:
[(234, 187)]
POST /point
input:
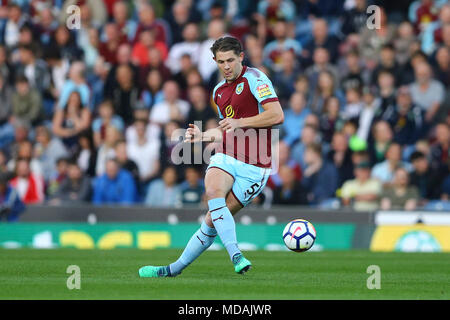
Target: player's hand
[(193, 134), (229, 124)]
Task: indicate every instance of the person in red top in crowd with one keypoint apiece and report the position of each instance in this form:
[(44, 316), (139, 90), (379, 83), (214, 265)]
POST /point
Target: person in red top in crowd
[(29, 186), (147, 41)]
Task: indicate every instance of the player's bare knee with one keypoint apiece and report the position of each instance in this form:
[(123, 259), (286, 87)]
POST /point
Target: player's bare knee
[(213, 192)]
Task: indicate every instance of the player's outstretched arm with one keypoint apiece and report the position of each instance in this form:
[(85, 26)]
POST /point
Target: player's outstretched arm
[(193, 134), (271, 116)]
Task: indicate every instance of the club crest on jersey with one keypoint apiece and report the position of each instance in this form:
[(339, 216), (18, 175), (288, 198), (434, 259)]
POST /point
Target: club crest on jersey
[(263, 90), (240, 88), (229, 112)]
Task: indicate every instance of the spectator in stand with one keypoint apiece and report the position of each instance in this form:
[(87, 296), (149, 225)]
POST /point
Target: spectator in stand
[(64, 42), (440, 150), (268, 12), (309, 135), (405, 40), (341, 156), (35, 70), (190, 46), (320, 177), (48, 150), (284, 159), (321, 59), (368, 114), (74, 189), (59, 175), (273, 51), (321, 39), (427, 92), (152, 92), (171, 108), (384, 171), (353, 75), (373, 39), (442, 66), (10, 204), (400, 195), (76, 82), (125, 162), (105, 118), (432, 34), (70, 121), (294, 118), (355, 18), (145, 153), (388, 63), (331, 119), (25, 151), (326, 88), (115, 186), (10, 29), (216, 30), (164, 192), (141, 49), (127, 27), (148, 21), (26, 102), (46, 25), (200, 109), (386, 92), (382, 138), (21, 134), (192, 189), (354, 105), (123, 59), (91, 48), (290, 191), (178, 17), (285, 78), (113, 40), (125, 95), (363, 192), (29, 186), (106, 150), (6, 127), (424, 177), (406, 118), (86, 154)]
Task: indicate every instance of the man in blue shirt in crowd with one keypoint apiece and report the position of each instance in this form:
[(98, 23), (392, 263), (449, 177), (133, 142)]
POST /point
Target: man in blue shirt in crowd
[(116, 185)]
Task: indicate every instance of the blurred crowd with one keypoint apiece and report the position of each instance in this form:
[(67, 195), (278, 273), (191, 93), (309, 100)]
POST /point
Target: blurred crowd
[(87, 114)]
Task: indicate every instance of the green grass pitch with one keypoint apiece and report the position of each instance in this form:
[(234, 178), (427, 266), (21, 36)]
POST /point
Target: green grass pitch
[(112, 274)]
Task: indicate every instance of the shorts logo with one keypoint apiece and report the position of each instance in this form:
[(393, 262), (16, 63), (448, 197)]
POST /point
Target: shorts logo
[(240, 88), (263, 90), (229, 112)]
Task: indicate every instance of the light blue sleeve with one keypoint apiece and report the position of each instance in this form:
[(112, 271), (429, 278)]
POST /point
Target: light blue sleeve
[(260, 85), (214, 94)]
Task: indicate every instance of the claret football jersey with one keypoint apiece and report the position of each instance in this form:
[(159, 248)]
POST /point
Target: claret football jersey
[(244, 98)]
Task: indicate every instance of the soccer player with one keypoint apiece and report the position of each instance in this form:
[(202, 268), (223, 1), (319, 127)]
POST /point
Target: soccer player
[(246, 103)]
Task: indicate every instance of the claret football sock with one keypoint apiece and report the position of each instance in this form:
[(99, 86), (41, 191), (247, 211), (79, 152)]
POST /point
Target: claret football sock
[(199, 242), (224, 223)]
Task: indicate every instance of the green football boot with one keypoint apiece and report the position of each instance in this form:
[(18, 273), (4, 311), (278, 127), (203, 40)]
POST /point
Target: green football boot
[(154, 272), (241, 265)]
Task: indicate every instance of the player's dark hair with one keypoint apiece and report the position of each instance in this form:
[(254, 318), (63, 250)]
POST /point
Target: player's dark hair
[(226, 44)]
